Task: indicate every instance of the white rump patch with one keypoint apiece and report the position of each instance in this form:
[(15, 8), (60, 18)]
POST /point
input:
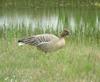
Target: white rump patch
[(21, 43)]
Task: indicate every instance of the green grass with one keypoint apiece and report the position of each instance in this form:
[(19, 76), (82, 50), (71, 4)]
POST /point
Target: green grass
[(77, 62), (47, 3)]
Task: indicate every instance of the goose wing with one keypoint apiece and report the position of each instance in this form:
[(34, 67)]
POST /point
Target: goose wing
[(38, 40), (43, 39)]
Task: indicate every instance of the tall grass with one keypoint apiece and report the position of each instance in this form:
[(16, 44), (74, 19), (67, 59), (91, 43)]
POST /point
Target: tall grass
[(77, 62), (87, 34)]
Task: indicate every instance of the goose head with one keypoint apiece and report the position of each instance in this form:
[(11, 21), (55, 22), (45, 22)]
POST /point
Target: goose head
[(64, 33)]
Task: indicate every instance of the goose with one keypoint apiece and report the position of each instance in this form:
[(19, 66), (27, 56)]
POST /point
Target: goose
[(46, 42)]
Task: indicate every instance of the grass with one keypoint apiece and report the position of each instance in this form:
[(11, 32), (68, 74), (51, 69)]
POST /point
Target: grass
[(45, 3), (77, 62)]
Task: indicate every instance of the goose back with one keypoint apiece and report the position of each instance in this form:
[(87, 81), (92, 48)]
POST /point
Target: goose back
[(38, 40)]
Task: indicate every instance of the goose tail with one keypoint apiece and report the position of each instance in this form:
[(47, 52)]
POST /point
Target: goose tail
[(21, 42), (24, 41)]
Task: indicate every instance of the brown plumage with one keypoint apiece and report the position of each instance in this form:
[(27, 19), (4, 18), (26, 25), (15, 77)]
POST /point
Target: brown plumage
[(46, 42)]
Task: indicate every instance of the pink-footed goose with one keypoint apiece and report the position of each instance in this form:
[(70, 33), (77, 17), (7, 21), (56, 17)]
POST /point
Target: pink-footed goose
[(46, 42)]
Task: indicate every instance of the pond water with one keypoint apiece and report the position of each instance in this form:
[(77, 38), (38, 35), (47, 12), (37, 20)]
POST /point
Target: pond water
[(73, 17)]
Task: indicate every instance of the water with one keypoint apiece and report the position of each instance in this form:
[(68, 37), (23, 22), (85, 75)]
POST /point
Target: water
[(29, 16), (82, 18), (51, 17)]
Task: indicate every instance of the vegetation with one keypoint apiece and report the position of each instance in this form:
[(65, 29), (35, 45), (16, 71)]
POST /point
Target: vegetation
[(78, 61), (48, 3)]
